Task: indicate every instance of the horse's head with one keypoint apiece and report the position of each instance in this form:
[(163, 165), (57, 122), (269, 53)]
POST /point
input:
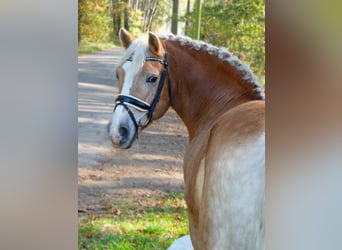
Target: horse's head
[(141, 76)]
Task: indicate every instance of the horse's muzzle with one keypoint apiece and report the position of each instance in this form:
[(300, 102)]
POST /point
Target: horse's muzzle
[(121, 137)]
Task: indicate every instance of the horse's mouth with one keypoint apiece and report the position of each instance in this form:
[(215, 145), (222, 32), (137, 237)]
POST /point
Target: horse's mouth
[(125, 145), (123, 138)]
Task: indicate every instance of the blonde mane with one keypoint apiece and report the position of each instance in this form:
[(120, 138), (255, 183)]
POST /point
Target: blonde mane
[(221, 53), (137, 52)]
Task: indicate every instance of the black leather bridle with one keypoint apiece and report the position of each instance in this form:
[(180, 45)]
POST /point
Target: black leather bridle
[(128, 100)]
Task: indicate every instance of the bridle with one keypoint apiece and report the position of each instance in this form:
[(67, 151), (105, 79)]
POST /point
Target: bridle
[(130, 101)]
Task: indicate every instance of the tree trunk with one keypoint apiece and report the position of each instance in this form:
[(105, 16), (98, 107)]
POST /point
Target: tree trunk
[(174, 23), (197, 19), (126, 18), (116, 17), (187, 25)]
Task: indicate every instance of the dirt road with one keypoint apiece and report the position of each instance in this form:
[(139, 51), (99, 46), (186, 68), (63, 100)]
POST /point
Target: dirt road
[(108, 176)]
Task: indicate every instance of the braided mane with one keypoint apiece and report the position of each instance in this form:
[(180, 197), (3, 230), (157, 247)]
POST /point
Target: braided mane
[(221, 53)]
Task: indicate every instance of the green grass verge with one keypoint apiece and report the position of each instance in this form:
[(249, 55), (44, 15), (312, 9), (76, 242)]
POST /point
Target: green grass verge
[(88, 48), (144, 224)]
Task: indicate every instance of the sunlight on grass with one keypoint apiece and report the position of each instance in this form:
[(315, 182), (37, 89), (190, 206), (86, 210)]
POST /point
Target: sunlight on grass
[(145, 224), (88, 48)]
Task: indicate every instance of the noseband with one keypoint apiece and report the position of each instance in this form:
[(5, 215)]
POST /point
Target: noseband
[(130, 101)]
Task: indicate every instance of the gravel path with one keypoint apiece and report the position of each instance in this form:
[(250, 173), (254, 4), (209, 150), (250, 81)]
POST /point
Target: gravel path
[(109, 176)]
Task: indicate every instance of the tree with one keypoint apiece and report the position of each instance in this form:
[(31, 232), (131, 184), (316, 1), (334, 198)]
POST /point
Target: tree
[(238, 25), (137, 16), (197, 27), (150, 7), (93, 21), (187, 24), (174, 21)]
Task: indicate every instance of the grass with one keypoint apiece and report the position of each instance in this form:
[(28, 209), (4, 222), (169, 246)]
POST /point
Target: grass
[(150, 223), (88, 48)]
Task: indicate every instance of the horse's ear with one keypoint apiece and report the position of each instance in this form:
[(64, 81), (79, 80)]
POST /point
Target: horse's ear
[(125, 37), (155, 45)]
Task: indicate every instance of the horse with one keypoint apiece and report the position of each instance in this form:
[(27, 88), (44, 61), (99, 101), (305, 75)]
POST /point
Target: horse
[(222, 105)]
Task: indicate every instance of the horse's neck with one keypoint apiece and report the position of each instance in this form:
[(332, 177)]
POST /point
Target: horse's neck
[(200, 90)]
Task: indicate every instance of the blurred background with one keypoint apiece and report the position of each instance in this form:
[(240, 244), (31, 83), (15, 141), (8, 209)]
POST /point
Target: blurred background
[(237, 25)]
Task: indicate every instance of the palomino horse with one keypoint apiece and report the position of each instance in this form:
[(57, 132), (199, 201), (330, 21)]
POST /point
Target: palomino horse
[(222, 105)]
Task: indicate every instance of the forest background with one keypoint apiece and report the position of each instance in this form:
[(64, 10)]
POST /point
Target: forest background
[(237, 25)]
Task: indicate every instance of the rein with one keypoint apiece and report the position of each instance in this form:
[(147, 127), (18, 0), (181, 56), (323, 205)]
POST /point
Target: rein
[(131, 101)]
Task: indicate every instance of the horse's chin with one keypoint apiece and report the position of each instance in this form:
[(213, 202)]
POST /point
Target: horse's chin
[(128, 145), (125, 145)]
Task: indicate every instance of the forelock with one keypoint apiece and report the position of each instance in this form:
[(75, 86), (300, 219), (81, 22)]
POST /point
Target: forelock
[(136, 52)]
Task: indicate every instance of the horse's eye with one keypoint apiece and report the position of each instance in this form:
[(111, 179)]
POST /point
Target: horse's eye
[(151, 79)]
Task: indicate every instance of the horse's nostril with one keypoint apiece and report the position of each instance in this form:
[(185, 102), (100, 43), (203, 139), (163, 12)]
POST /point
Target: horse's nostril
[(123, 131)]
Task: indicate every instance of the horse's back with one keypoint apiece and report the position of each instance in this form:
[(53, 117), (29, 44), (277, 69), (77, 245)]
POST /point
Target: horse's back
[(233, 192)]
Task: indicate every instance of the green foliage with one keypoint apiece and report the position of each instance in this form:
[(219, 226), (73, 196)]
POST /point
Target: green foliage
[(137, 16), (87, 48), (93, 21), (161, 14), (151, 223), (237, 25), (135, 20)]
